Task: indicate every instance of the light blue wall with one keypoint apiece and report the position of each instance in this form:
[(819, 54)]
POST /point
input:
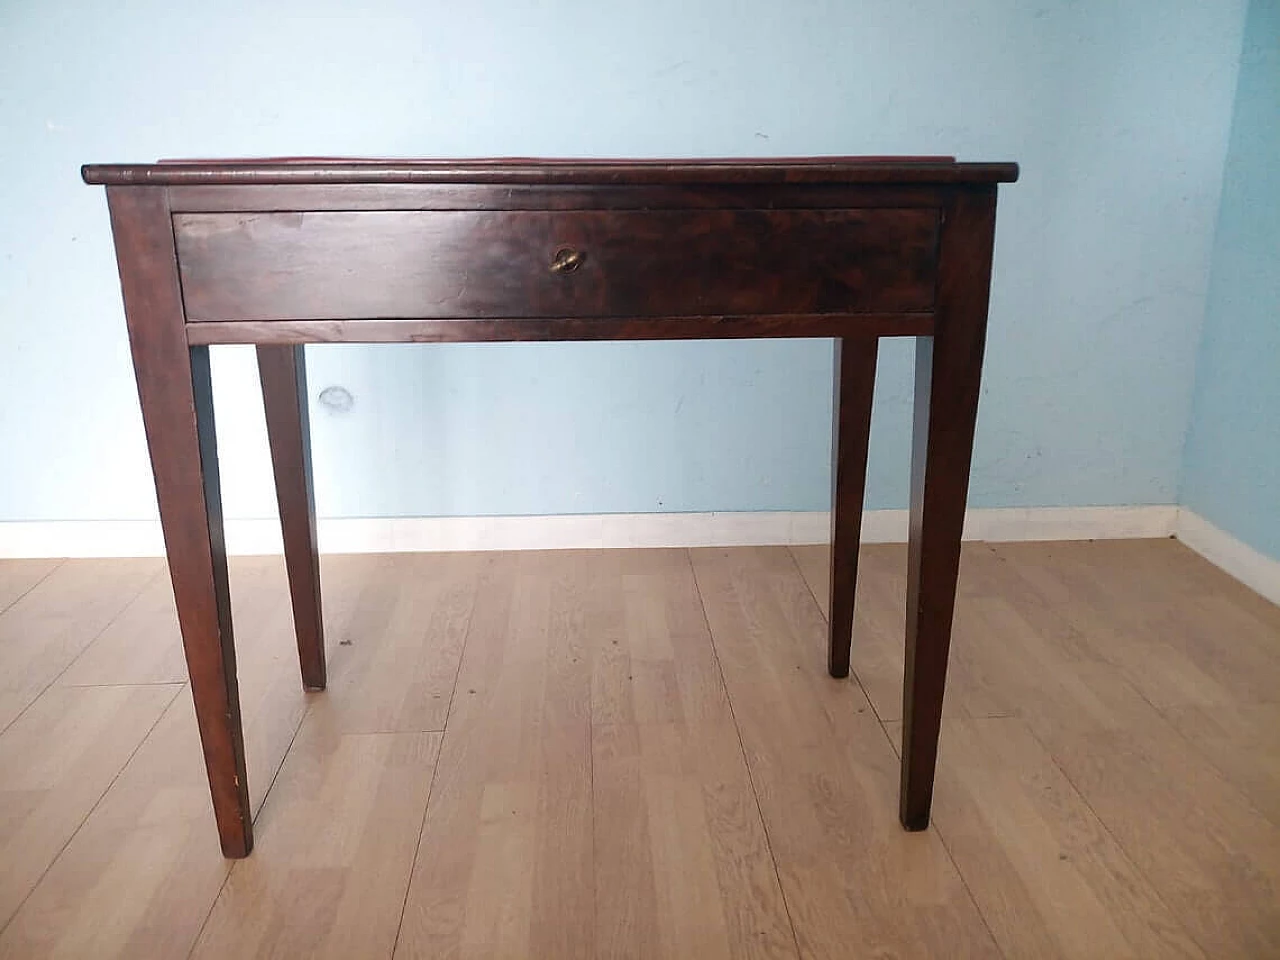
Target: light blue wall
[(1232, 474), (1118, 112)]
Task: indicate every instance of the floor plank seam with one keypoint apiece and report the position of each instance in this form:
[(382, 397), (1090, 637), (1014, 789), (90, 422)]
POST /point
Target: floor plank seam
[(226, 878), (964, 882), (8, 606), (1120, 847), (1195, 748), (266, 794), (1200, 751), (1226, 776), (140, 683), (116, 776), (106, 626), (435, 767), (1070, 621), (742, 749), (413, 862), (805, 580), (827, 620), (591, 779), (897, 752)]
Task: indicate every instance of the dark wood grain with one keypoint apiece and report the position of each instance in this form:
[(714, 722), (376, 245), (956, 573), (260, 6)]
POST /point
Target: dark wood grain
[(440, 264), (855, 373), (561, 328), (942, 170), (283, 372), (176, 394), (282, 253), (948, 378), (304, 197)]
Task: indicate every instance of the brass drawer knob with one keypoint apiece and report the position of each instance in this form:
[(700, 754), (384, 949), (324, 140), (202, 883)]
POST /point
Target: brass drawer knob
[(567, 260)]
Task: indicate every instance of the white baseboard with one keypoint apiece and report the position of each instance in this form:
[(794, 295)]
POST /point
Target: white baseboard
[(140, 538), (1253, 569)]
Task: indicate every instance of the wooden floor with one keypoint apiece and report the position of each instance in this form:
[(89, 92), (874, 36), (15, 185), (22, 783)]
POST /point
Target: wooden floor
[(639, 754)]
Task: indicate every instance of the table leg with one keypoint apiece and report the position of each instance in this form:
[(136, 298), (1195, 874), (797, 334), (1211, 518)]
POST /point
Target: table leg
[(948, 375), (283, 371), (855, 373), (176, 394)]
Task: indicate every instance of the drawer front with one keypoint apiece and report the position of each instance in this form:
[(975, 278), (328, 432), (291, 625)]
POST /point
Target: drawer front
[(546, 264)]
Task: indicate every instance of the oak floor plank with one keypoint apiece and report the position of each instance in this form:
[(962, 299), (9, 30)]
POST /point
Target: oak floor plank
[(1242, 741), (1129, 650), (879, 618), (1206, 849), (335, 849), (1083, 641), (1050, 879), (504, 865), (814, 563), (885, 566), (1170, 569), (683, 867), (1009, 657), (1138, 606), (395, 638), (46, 629), (56, 761), (652, 657), (139, 877), (1175, 661), (592, 799), (17, 577), (143, 643), (855, 883), (682, 862), (974, 679)]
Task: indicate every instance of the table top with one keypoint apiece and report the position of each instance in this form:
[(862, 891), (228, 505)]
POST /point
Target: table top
[(528, 170)]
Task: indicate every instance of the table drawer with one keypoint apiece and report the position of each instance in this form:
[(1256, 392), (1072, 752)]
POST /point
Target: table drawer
[(543, 264)]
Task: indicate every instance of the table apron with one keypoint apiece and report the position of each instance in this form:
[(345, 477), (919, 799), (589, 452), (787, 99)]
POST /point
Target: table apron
[(781, 326)]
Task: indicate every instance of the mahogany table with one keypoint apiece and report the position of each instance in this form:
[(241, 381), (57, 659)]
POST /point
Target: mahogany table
[(283, 253)]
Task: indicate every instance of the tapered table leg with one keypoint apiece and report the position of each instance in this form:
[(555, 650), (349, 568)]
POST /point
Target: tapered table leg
[(855, 371), (283, 371), (948, 377), (177, 411)]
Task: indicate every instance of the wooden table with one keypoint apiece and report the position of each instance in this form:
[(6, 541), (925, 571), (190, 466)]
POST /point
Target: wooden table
[(282, 253)]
